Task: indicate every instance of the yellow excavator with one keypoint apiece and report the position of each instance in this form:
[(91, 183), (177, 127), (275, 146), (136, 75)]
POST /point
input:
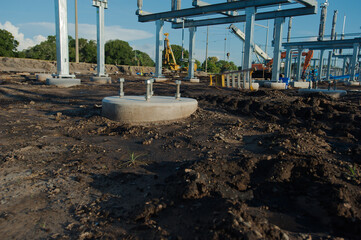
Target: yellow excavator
[(169, 59)]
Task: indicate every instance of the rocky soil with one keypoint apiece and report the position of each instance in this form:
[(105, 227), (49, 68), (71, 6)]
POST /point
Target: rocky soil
[(247, 165)]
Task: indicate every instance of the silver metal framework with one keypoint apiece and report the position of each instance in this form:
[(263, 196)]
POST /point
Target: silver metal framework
[(100, 5)]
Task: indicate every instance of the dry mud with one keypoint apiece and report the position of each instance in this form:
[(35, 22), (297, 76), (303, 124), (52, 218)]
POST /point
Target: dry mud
[(247, 165)]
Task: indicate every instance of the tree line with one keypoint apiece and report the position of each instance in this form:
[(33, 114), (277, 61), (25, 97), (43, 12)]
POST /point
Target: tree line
[(117, 52)]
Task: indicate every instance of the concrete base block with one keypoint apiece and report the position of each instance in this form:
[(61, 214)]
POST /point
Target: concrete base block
[(275, 85), (352, 83), (102, 80), (194, 80), (331, 93), (255, 86), (262, 82), (63, 82), (136, 110), (160, 79), (300, 84), (43, 76)]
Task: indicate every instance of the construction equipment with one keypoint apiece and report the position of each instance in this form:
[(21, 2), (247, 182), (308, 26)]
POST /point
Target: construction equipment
[(168, 54), (169, 58)]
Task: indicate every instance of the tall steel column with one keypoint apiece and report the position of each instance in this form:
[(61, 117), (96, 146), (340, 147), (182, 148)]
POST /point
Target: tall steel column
[(289, 29), (100, 5), (356, 48), (158, 48), (191, 60), (330, 54), (76, 33), (247, 58), (277, 48), (62, 50), (288, 63), (299, 64), (344, 66), (320, 67)]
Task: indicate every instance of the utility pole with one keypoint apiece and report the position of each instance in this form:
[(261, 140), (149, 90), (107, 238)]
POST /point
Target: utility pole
[(76, 33), (207, 50)]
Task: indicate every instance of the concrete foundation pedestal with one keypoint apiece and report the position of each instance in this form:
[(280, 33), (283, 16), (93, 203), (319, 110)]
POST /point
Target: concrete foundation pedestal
[(275, 85), (352, 83), (193, 80), (160, 79), (43, 76), (331, 93), (300, 84), (102, 80), (255, 86), (63, 82), (136, 110)]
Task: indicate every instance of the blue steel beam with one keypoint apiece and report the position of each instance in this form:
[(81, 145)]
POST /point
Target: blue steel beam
[(214, 8), (242, 18), (324, 45)]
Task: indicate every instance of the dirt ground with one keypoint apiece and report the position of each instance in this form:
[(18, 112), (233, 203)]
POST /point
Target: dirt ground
[(247, 165)]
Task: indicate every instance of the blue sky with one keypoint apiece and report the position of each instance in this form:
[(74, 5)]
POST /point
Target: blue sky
[(32, 21)]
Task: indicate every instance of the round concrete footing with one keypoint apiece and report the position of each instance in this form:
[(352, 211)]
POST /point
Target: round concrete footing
[(331, 93), (300, 84), (136, 110), (63, 82), (43, 76), (255, 86), (160, 79), (101, 79), (275, 85), (352, 83)]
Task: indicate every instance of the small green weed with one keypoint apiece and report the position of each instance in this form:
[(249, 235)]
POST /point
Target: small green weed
[(133, 160), (353, 172)]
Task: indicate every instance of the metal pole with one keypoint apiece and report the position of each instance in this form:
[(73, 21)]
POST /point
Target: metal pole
[(299, 63), (321, 65), (267, 37), (158, 48), (100, 40), (334, 25), (356, 48), (62, 49), (277, 49), (247, 58), (289, 29), (76, 33), (191, 60), (207, 50), (329, 65), (288, 63), (121, 91), (321, 31)]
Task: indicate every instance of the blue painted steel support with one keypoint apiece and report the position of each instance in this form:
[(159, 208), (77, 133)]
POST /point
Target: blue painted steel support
[(277, 48), (100, 6), (191, 60), (356, 48), (288, 63), (299, 64), (330, 53), (247, 60), (320, 68), (158, 48)]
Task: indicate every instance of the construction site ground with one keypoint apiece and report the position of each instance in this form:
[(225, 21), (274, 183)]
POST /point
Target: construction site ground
[(246, 165)]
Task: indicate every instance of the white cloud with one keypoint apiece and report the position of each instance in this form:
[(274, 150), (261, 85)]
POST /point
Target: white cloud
[(24, 43)]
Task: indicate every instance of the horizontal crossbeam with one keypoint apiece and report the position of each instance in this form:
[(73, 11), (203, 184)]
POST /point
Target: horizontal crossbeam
[(214, 8), (242, 18), (324, 45)]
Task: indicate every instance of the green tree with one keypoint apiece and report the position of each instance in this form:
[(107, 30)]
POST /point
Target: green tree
[(45, 50), (87, 50), (226, 66), (211, 65), (199, 67), (8, 44), (142, 59), (118, 52)]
